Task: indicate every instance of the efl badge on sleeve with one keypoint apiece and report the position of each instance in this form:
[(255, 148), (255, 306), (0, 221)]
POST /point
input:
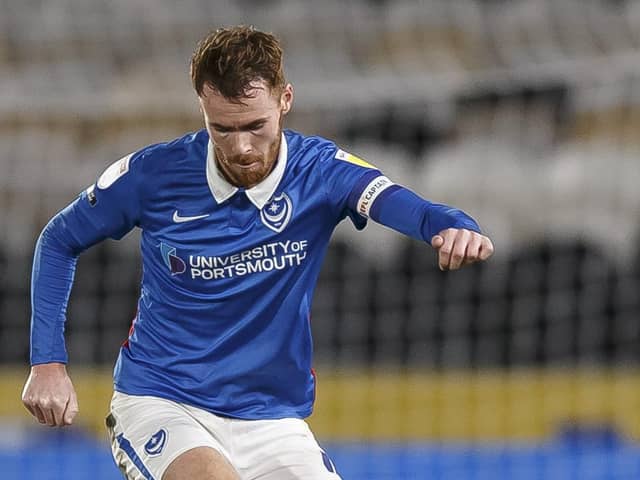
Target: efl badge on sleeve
[(351, 158), (114, 172), (277, 212)]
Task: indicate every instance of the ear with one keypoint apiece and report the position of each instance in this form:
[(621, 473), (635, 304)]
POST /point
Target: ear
[(286, 99), (200, 109)]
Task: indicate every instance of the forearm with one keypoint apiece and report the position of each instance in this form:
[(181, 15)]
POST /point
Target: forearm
[(406, 212), (110, 210), (68, 234), (54, 266)]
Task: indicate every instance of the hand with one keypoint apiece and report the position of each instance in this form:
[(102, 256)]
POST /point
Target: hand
[(49, 395), (458, 247)]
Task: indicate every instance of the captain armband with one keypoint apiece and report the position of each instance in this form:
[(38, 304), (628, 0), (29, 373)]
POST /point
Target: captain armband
[(371, 192)]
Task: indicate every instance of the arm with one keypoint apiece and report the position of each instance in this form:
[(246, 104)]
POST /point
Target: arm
[(359, 190), (454, 234), (48, 393), (109, 210)]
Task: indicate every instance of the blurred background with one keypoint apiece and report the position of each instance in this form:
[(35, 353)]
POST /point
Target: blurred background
[(526, 114)]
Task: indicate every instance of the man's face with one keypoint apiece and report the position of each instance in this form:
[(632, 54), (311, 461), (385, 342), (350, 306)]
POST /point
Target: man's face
[(246, 135)]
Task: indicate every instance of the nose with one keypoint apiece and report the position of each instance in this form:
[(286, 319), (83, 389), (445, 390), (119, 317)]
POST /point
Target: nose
[(241, 143)]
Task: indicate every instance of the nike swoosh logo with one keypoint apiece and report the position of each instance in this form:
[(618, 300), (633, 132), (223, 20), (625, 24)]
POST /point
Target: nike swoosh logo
[(178, 219)]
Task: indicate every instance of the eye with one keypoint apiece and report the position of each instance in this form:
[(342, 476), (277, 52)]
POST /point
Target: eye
[(220, 133), (254, 127)]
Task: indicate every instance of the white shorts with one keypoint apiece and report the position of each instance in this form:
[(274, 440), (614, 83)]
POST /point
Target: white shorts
[(148, 433)]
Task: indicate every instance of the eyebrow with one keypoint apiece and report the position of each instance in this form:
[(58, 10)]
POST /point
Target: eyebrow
[(247, 126)]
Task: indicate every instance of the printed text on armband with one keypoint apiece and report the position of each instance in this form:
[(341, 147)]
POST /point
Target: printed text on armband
[(371, 192)]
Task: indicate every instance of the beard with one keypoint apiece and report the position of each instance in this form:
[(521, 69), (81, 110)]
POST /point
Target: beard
[(262, 165)]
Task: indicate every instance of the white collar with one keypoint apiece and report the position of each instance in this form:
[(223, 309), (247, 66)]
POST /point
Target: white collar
[(259, 194)]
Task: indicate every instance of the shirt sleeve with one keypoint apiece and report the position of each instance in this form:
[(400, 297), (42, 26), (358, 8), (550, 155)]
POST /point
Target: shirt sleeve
[(109, 208), (359, 190), (404, 211)]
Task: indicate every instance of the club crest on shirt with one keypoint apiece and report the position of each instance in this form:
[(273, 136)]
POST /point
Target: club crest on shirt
[(277, 212), (156, 443)]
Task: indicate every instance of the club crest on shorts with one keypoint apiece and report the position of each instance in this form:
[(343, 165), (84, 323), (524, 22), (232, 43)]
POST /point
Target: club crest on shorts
[(277, 212), (156, 443)]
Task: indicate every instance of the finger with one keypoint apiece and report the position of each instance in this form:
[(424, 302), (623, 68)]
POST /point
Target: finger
[(48, 415), (27, 405), (486, 249), (444, 254), (71, 411), (473, 249), (39, 414), (437, 241), (27, 401), (31, 410), (56, 413), (459, 249)]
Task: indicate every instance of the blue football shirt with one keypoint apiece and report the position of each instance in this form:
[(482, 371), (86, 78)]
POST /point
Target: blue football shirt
[(223, 320)]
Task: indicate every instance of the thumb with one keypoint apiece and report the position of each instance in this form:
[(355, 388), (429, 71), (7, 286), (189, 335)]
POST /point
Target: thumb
[(72, 409), (437, 241)]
